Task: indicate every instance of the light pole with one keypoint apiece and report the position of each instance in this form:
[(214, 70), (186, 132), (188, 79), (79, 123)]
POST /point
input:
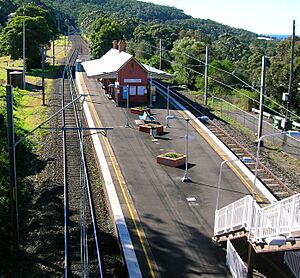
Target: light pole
[(186, 178), (150, 104), (168, 106), (127, 108), (243, 159)]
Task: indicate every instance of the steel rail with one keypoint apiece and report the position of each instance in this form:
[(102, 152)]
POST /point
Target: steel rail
[(70, 61), (79, 131)]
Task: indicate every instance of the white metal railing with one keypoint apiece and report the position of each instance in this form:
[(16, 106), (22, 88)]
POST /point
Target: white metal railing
[(234, 262), (233, 217), (292, 260), (280, 218)]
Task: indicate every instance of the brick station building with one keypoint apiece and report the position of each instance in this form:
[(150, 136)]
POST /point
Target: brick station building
[(120, 72)]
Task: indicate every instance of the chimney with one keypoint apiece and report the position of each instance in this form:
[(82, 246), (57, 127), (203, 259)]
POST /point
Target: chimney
[(122, 45), (115, 44)]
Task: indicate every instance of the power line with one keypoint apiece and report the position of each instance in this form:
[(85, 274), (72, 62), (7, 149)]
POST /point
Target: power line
[(220, 82)]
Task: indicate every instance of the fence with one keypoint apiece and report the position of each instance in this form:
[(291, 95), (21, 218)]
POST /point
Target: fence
[(281, 218), (287, 143), (235, 264)]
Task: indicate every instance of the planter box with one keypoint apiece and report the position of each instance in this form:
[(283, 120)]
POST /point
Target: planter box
[(147, 127), (139, 110), (169, 161)]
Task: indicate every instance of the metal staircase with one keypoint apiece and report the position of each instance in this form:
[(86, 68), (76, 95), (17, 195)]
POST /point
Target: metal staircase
[(275, 227)]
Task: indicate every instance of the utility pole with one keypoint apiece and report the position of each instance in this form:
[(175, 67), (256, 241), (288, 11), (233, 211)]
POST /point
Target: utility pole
[(290, 89), (160, 53), (24, 54), (262, 96), (53, 51), (206, 75), (65, 42), (12, 167), (42, 49)]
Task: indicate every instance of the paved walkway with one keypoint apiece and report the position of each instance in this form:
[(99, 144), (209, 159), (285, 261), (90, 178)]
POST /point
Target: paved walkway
[(178, 231)]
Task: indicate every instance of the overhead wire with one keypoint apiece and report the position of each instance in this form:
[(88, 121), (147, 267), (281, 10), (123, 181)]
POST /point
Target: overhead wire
[(222, 83)]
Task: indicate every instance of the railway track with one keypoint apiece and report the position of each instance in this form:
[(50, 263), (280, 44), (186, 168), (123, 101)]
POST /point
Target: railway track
[(81, 247), (265, 175)]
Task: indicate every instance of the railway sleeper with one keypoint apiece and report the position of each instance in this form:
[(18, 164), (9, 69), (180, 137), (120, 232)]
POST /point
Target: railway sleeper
[(282, 194)]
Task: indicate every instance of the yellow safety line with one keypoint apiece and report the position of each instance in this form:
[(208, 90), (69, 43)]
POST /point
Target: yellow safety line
[(123, 190), (224, 157)]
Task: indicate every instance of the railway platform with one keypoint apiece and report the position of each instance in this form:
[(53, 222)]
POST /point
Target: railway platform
[(170, 222)]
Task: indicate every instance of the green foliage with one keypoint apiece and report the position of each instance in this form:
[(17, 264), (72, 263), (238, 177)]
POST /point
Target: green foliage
[(11, 39), (6, 7), (278, 73), (186, 54), (105, 30), (34, 11), (220, 71), (173, 155), (229, 48), (23, 158)]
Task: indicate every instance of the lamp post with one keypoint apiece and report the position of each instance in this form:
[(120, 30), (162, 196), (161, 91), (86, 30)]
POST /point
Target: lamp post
[(127, 108), (168, 106), (150, 103), (243, 159), (186, 178)]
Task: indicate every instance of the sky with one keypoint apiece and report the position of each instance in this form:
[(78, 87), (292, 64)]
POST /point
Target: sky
[(258, 16)]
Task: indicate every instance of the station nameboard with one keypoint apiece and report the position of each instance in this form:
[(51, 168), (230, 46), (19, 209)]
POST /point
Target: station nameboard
[(132, 80)]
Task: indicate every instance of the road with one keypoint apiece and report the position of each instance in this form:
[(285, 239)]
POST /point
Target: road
[(178, 231)]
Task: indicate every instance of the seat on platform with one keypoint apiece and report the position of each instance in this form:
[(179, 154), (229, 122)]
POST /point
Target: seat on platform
[(147, 118)]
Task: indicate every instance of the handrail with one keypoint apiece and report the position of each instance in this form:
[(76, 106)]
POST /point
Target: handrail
[(281, 218)]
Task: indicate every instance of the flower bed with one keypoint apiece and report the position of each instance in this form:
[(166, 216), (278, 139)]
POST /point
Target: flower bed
[(140, 110), (171, 159), (147, 127)]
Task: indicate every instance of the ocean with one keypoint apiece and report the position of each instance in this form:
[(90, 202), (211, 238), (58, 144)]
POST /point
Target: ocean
[(277, 36)]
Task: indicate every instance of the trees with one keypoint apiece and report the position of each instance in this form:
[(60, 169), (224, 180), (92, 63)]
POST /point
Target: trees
[(105, 29), (278, 73), (33, 11), (185, 53), (6, 7), (37, 33)]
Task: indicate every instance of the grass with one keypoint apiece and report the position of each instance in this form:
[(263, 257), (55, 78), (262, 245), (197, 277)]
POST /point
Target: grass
[(60, 50), (30, 109), (236, 125), (5, 61)]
